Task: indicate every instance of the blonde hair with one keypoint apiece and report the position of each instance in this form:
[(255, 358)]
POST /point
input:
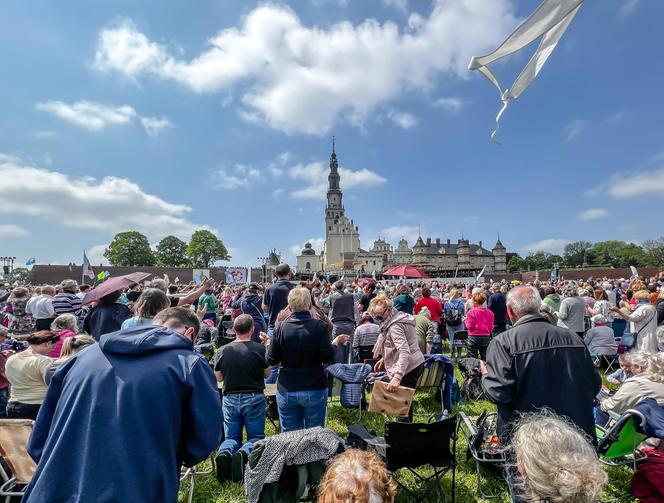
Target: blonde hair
[(65, 322), (652, 364), (454, 293), (357, 477), (299, 299), (557, 462), (74, 344), (642, 295), (479, 298), (379, 302)]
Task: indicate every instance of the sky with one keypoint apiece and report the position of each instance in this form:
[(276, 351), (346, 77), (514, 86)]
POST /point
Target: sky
[(167, 117)]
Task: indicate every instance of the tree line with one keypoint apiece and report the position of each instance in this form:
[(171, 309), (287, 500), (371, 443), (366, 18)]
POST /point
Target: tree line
[(131, 248), (615, 254)]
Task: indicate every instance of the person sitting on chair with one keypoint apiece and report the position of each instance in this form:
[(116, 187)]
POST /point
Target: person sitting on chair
[(647, 382), (600, 339), (357, 476), (555, 461), (242, 367)]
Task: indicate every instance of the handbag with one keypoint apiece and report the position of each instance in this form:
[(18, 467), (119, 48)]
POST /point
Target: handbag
[(628, 339), (396, 403)]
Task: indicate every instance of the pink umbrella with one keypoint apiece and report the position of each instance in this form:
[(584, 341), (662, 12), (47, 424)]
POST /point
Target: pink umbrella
[(407, 271), (113, 285)]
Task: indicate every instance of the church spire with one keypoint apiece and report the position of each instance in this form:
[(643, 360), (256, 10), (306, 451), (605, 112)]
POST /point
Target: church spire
[(334, 178)]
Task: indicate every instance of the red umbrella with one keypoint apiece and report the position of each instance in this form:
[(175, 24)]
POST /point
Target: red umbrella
[(407, 271), (113, 285)]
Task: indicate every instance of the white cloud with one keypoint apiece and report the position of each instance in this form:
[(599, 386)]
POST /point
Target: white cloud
[(314, 178), (95, 255), (238, 176), (471, 218), (400, 5), (593, 214), (12, 231), (88, 115), (548, 245), (316, 243), (575, 129), (277, 192), (451, 104), (628, 7), (402, 119), (302, 79), (393, 234), (44, 134), (110, 204), (645, 183), (155, 125)]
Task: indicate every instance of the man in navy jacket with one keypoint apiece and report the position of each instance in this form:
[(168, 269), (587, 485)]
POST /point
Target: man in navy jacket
[(121, 417)]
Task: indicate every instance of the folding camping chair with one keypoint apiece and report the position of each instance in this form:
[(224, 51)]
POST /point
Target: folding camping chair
[(432, 378), (482, 446), (617, 443), (271, 409), (415, 445), (610, 361), (14, 435), (460, 338), (189, 474), (352, 377)]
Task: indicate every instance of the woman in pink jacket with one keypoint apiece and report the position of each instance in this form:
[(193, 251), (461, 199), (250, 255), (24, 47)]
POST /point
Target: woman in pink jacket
[(397, 345), (479, 323), (66, 325)]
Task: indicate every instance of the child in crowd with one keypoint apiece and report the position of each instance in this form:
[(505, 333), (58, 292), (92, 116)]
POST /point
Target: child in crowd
[(623, 373)]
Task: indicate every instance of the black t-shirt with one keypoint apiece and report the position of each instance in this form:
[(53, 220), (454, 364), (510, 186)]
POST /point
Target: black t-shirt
[(242, 364), (174, 300), (366, 300), (132, 296), (276, 298)]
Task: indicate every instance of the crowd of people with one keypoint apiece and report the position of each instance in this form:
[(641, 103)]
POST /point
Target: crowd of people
[(142, 368)]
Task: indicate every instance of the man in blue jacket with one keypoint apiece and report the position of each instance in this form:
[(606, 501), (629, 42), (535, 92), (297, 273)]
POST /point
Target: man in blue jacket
[(121, 417)]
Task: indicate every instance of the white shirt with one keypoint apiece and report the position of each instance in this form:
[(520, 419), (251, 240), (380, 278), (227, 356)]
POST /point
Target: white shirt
[(40, 307)]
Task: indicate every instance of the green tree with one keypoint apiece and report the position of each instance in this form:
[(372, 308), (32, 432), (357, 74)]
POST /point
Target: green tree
[(205, 249), (575, 253), (616, 254), (654, 250), (541, 260), (172, 252), (130, 248), (19, 275), (516, 264)]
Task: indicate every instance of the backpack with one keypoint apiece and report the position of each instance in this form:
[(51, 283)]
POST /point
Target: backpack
[(454, 316), (471, 388)]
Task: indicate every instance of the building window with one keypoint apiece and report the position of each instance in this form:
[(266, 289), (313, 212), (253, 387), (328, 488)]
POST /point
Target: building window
[(307, 265)]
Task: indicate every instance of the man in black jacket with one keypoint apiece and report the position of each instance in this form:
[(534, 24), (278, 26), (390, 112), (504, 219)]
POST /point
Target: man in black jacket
[(536, 365)]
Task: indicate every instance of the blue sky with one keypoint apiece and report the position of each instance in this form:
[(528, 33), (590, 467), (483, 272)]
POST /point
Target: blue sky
[(166, 117)]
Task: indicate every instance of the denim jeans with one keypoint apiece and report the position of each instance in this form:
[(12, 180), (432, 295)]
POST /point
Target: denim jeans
[(243, 410), (274, 370), (302, 409)]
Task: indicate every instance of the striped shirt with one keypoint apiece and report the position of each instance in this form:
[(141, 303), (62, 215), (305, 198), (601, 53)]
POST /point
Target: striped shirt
[(66, 302)]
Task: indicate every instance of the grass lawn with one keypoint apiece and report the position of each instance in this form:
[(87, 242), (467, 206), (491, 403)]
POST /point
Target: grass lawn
[(209, 490)]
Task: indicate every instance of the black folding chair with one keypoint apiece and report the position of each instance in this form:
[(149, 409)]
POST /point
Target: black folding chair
[(412, 446)]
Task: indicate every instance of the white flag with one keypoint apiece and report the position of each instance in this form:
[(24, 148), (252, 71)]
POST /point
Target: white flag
[(87, 268), (635, 273), (549, 21), (481, 273)]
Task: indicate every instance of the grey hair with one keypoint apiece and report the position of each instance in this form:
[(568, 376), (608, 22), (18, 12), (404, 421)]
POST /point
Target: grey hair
[(299, 299), (651, 363), (159, 284), (65, 321), (524, 300), (556, 460)]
